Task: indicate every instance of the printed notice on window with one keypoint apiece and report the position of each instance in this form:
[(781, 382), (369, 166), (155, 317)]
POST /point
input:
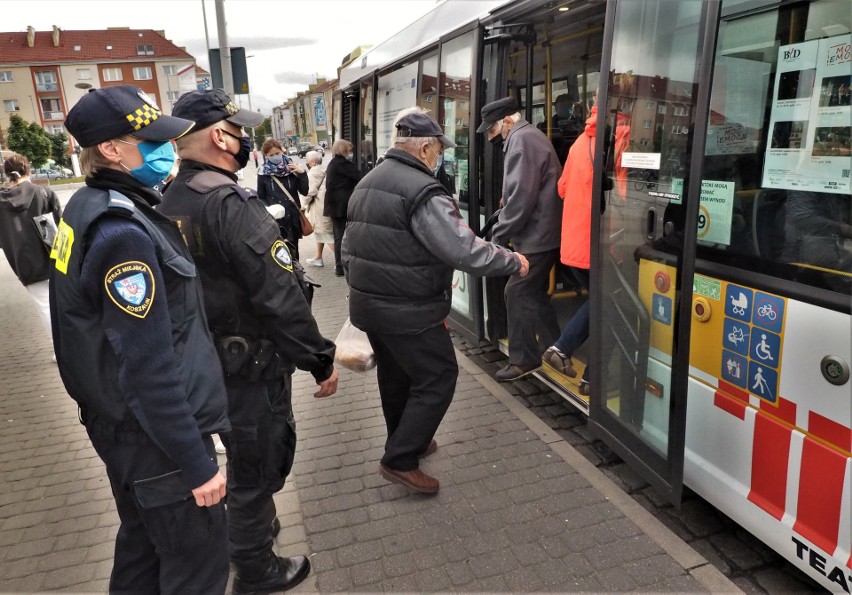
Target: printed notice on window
[(809, 144)]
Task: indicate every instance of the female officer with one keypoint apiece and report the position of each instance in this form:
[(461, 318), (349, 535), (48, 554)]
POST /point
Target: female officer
[(134, 351)]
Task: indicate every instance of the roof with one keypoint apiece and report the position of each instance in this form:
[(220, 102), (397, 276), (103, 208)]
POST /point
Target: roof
[(92, 46)]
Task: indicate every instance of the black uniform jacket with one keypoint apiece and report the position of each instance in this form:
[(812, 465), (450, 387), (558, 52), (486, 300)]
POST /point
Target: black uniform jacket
[(250, 289)]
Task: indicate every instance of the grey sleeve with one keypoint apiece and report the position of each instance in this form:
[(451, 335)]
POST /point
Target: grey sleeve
[(439, 227)]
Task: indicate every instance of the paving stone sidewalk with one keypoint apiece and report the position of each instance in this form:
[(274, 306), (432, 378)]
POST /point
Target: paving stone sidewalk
[(519, 509)]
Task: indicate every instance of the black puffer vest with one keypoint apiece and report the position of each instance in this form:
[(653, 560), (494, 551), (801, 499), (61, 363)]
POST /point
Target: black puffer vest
[(396, 285), (88, 364)]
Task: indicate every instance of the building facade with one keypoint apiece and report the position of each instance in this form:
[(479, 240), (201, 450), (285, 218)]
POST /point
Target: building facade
[(44, 73)]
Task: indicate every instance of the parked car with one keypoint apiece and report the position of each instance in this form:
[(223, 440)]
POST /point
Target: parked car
[(293, 151), (304, 148), (47, 173)]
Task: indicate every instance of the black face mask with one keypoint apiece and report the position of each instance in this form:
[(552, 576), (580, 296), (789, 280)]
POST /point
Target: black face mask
[(241, 156)]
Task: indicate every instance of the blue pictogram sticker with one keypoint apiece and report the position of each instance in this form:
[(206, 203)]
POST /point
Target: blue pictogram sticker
[(738, 302), (736, 336), (762, 381), (734, 368), (662, 309), (765, 347), (768, 312)]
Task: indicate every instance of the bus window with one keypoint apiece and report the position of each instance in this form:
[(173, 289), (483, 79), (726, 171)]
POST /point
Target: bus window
[(776, 189)]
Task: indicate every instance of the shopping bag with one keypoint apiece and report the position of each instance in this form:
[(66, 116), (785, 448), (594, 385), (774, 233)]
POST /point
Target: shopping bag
[(354, 351)]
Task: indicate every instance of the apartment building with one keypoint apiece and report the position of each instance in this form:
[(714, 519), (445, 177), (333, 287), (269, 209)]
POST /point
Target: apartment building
[(44, 73)]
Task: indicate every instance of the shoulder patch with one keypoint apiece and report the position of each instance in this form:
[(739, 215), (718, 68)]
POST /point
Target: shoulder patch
[(119, 202), (281, 255), (130, 286)]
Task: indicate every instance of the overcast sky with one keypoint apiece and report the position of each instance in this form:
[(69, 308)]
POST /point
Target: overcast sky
[(292, 41)]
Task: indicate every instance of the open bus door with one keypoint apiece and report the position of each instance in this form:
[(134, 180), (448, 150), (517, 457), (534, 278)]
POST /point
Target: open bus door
[(643, 265)]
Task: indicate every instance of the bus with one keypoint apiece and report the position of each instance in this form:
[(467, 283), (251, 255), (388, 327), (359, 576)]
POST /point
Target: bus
[(721, 275)]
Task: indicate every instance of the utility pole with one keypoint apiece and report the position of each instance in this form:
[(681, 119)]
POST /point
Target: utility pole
[(206, 34), (224, 48)]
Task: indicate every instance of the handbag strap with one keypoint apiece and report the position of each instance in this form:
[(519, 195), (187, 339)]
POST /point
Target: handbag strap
[(287, 192)]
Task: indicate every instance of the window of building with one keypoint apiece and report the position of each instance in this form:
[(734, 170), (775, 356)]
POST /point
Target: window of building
[(649, 105), (46, 81), (112, 74), (172, 96), (54, 128), (5, 76), (11, 105), (661, 109), (169, 69), (142, 73), (646, 124), (51, 109), (84, 74), (144, 50)]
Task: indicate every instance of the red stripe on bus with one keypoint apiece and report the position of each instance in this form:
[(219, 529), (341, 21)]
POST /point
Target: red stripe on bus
[(770, 453), (733, 406), (782, 409), (733, 391), (820, 493), (830, 431)]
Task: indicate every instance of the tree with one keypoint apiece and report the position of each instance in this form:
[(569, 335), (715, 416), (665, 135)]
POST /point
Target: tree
[(262, 131), (59, 148), (28, 139)]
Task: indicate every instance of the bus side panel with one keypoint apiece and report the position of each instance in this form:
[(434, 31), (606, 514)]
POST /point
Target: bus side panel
[(783, 469)]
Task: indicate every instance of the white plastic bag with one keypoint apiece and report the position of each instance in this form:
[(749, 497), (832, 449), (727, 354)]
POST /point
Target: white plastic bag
[(354, 351)]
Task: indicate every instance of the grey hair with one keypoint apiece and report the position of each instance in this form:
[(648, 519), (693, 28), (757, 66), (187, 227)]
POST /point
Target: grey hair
[(313, 156)]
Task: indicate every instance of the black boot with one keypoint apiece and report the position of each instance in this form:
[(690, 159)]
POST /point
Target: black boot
[(271, 573)]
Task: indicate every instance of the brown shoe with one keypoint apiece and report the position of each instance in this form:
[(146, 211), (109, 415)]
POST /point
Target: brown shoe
[(415, 479), (433, 446), (556, 360)]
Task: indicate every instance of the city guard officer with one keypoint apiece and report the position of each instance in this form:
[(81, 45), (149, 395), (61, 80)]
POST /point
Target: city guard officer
[(261, 322), (134, 352)]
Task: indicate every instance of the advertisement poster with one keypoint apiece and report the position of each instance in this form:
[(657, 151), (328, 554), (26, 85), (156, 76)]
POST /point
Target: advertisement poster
[(319, 112), (809, 146), (397, 91), (736, 127)]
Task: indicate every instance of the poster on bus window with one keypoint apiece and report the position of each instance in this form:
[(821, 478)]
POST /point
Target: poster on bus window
[(809, 144), (397, 91)]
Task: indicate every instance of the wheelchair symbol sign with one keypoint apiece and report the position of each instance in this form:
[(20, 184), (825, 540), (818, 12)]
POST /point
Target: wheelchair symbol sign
[(765, 347)]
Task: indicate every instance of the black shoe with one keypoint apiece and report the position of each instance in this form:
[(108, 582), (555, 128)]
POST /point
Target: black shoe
[(276, 527), (271, 573), (338, 271), (513, 372)]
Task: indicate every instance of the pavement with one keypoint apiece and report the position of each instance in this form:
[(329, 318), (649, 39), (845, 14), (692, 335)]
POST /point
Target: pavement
[(520, 509)]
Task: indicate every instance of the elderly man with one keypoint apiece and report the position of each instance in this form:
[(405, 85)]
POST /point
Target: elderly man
[(403, 240), (260, 320), (530, 220)]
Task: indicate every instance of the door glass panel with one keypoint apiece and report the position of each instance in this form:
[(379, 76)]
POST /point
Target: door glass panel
[(365, 145), (651, 106)]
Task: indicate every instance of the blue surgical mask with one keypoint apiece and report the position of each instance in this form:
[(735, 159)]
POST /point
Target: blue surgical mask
[(275, 159), (158, 158)]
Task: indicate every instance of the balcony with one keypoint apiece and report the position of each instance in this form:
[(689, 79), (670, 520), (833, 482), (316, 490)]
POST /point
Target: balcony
[(53, 116), (47, 87)]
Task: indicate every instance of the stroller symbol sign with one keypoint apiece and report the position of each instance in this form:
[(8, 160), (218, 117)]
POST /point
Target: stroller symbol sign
[(738, 302)]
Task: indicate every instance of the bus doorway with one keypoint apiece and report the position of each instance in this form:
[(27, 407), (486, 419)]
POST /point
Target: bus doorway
[(549, 60)]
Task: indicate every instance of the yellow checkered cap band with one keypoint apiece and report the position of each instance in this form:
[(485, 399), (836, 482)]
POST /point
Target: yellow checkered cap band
[(142, 116), (232, 108)]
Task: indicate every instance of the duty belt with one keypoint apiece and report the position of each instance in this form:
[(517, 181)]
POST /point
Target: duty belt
[(252, 359)]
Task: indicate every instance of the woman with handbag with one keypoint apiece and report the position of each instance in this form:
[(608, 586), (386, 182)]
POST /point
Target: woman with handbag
[(314, 203), (25, 233), (279, 182)]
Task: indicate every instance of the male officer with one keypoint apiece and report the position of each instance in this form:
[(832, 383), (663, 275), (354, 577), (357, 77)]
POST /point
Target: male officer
[(134, 351), (530, 220), (261, 322)]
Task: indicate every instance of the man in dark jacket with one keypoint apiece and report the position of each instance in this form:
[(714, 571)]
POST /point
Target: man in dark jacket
[(135, 353), (403, 240), (261, 322), (341, 175), (530, 220)]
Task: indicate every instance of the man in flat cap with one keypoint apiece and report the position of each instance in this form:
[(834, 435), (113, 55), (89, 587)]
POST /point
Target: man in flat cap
[(261, 322), (404, 237), (133, 349), (530, 220)]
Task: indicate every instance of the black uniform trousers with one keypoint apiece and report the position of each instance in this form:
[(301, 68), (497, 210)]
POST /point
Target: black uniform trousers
[(338, 226), (166, 543), (417, 378), (260, 449), (533, 326)]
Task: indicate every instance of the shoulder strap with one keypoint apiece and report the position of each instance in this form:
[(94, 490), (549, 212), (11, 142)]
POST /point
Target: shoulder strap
[(284, 188)]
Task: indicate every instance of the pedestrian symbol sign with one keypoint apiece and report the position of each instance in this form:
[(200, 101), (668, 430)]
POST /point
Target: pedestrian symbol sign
[(762, 381)]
